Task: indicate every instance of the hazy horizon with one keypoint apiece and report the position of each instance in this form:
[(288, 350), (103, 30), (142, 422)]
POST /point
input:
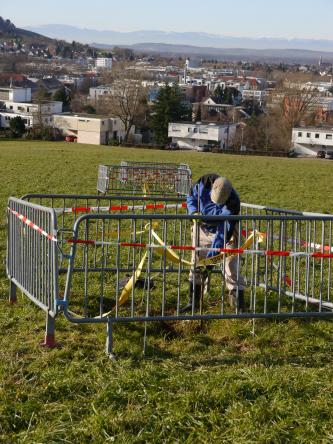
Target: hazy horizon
[(255, 19)]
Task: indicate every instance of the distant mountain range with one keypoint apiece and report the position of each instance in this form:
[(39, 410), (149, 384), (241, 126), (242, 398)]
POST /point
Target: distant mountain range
[(231, 54), (199, 39)]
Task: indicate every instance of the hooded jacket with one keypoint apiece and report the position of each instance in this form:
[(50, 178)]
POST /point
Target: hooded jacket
[(199, 201)]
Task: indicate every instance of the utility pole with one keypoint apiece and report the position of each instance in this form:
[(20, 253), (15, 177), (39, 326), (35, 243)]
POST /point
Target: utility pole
[(227, 144), (242, 138)]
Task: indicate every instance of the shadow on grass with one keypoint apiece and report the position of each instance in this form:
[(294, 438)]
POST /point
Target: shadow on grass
[(268, 359), (311, 348)]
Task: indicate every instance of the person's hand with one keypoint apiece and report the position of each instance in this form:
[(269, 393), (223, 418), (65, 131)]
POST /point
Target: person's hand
[(196, 213)]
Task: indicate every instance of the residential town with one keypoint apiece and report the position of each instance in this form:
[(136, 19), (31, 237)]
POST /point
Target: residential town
[(92, 96)]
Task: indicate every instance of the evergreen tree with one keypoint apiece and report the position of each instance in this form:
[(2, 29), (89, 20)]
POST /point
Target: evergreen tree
[(230, 94), (61, 96), (89, 109), (168, 107), (17, 126), (197, 117), (219, 93)]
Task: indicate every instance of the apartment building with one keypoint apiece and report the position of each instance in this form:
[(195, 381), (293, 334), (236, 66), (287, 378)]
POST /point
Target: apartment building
[(97, 92), (16, 102), (309, 140), (90, 128), (194, 136), (103, 63), (259, 96)]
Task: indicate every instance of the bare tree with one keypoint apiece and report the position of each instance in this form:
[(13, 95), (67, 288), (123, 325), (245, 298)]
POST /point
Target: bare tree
[(127, 101), (78, 103), (300, 106)]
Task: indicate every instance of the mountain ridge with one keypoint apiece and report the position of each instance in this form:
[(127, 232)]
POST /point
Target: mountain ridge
[(200, 39), (227, 54)]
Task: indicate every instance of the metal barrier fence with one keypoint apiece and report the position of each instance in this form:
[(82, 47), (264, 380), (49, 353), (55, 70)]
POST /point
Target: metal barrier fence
[(32, 257), (153, 164), (145, 178), (132, 267)]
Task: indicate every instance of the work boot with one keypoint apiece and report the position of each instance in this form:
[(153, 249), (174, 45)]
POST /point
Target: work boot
[(237, 302), (197, 295)]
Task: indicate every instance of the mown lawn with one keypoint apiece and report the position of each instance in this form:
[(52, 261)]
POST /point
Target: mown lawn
[(220, 383)]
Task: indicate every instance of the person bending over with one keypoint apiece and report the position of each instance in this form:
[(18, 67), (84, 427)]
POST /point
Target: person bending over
[(213, 195)]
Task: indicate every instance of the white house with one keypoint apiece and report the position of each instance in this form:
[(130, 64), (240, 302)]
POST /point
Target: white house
[(189, 80), (19, 104), (99, 91), (90, 128), (15, 94), (256, 95), (195, 135), (210, 105), (103, 63), (309, 140)]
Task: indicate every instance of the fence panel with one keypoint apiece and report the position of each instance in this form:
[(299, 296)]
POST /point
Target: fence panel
[(145, 178), (284, 261), (32, 254), (130, 258)]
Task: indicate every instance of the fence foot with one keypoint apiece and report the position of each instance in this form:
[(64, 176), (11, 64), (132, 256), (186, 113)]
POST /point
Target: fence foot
[(49, 339), (12, 293), (109, 341), (144, 349), (253, 327)]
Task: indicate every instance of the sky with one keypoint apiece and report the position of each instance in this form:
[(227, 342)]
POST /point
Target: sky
[(250, 18)]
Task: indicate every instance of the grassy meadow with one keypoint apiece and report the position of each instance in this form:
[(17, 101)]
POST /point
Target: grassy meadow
[(218, 384)]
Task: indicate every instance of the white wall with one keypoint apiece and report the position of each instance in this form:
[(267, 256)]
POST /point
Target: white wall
[(188, 144), (90, 137), (26, 107), (312, 136), (191, 136), (100, 91), (104, 62), (20, 95), (193, 131), (28, 118)]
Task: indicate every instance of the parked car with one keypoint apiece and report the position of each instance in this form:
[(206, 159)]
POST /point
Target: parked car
[(172, 146), (70, 139), (292, 153), (204, 148), (321, 154), (329, 155)]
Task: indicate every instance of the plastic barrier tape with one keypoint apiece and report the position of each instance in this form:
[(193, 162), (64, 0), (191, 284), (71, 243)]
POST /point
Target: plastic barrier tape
[(170, 255), (127, 290), (255, 235)]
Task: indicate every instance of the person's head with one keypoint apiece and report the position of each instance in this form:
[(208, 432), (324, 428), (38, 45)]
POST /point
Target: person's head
[(221, 190)]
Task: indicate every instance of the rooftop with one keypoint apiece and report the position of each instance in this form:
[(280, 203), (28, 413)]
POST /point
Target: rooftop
[(211, 124), (313, 128), (4, 88), (85, 116)]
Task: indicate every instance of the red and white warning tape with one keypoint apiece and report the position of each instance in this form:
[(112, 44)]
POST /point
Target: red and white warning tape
[(30, 224), (279, 253), (191, 248), (119, 208), (311, 245)]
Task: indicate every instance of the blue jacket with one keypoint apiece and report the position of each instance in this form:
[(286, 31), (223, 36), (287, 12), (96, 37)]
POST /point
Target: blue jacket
[(199, 201)]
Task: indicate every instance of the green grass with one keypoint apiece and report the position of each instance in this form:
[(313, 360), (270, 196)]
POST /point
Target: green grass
[(215, 384)]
